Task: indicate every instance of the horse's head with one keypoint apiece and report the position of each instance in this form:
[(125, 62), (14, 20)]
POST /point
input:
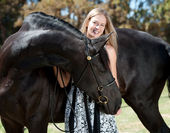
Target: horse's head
[(91, 74)]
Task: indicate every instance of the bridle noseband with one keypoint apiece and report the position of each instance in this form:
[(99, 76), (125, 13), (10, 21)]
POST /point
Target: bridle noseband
[(101, 98)]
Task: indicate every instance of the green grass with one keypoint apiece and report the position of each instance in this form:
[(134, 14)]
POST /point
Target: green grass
[(1, 129), (127, 121)]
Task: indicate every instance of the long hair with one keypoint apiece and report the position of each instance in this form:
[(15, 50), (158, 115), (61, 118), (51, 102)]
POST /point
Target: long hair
[(108, 28)]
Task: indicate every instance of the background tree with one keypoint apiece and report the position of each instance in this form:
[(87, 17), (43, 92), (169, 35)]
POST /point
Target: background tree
[(9, 13), (75, 11), (72, 11), (161, 16), (152, 16)]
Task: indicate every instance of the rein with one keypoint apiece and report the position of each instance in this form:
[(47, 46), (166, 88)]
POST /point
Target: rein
[(52, 105)]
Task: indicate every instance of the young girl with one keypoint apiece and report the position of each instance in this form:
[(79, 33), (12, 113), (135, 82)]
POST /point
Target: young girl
[(96, 24)]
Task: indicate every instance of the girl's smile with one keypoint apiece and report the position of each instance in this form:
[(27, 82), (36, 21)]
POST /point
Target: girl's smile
[(96, 26)]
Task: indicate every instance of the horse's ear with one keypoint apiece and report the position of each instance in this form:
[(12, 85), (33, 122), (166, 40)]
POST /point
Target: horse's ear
[(99, 42)]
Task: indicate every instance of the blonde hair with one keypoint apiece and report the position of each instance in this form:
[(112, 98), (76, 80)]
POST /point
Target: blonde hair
[(108, 28)]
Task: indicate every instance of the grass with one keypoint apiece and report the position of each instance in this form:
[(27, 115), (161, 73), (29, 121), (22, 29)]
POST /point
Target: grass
[(127, 121)]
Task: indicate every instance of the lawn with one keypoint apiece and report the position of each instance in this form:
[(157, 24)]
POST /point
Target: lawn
[(127, 121)]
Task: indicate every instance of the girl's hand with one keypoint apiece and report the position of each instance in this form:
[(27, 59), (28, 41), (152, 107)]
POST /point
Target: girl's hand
[(118, 112)]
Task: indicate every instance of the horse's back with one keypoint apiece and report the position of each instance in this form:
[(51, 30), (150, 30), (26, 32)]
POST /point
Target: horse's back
[(142, 59)]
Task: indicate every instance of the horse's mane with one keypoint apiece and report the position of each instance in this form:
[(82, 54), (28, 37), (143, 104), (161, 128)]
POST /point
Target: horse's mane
[(37, 20)]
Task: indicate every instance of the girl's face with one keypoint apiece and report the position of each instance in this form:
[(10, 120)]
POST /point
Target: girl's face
[(96, 26)]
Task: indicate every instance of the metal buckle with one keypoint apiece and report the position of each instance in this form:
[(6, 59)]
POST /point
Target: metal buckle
[(100, 88), (101, 98)]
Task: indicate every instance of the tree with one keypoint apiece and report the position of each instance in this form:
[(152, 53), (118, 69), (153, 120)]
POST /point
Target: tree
[(72, 11), (161, 13), (75, 11), (9, 12), (149, 15), (152, 16)]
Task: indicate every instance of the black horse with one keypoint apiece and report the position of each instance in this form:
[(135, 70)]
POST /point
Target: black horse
[(27, 79), (143, 67)]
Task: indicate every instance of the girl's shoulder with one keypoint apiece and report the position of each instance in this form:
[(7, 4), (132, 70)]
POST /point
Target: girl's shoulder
[(110, 49)]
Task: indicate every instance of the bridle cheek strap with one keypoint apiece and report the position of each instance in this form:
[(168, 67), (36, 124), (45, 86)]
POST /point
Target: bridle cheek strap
[(101, 98)]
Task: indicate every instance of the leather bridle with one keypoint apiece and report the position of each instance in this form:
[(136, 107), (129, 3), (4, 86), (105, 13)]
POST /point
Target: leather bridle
[(102, 99)]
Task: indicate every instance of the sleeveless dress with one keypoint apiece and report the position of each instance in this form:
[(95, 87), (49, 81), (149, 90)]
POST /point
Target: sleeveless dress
[(107, 122)]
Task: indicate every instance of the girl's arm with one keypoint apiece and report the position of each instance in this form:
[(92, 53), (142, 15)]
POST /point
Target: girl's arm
[(65, 75)]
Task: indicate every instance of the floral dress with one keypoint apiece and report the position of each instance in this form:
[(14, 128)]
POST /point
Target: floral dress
[(107, 122)]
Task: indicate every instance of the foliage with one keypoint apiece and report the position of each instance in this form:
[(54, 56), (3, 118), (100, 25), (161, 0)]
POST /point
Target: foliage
[(152, 16), (75, 11), (72, 11), (161, 13), (9, 13)]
